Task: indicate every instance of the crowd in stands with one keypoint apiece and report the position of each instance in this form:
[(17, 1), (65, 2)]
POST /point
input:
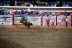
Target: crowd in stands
[(57, 4), (31, 12), (30, 4), (3, 3)]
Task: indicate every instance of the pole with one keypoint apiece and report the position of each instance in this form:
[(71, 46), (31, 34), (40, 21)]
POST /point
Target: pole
[(56, 19), (71, 18), (41, 20), (12, 18)]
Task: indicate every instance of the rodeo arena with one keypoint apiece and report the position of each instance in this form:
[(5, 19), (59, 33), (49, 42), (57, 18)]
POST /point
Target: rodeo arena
[(37, 16), (35, 27)]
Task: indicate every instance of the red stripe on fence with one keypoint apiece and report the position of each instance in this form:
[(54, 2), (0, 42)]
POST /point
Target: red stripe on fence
[(12, 18), (71, 18)]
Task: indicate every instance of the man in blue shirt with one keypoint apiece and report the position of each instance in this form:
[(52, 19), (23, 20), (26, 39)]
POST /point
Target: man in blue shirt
[(22, 12), (48, 13), (65, 13), (68, 13)]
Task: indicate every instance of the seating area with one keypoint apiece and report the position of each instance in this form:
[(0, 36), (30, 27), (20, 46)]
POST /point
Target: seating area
[(35, 11), (37, 3)]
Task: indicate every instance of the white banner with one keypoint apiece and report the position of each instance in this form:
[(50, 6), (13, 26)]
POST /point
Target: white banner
[(35, 20), (44, 21), (5, 19), (17, 19), (6, 23)]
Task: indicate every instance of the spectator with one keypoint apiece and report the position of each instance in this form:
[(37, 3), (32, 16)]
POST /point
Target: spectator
[(4, 4), (19, 12), (16, 12), (37, 13), (52, 5), (68, 13), (31, 5), (58, 3), (34, 13), (46, 4), (3, 11), (65, 13), (63, 5), (43, 13), (58, 13), (29, 11), (40, 12), (6, 11), (67, 5), (37, 2), (48, 13), (63, 2), (19, 3), (26, 12), (48, 21), (11, 11), (28, 4), (22, 12), (23, 4), (53, 13), (15, 4), (55, 4), (35, 5), (1, 4)]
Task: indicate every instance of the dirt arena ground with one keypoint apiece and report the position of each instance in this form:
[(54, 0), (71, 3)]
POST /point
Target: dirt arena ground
[(19, 36)]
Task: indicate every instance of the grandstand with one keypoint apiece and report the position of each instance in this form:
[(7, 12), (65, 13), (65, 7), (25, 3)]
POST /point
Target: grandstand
[(46, 3)]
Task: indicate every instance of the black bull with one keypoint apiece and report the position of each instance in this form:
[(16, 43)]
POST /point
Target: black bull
[(24, 21)]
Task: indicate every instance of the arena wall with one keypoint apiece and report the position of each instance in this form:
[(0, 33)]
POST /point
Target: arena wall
[(37, 21), (16, 19)]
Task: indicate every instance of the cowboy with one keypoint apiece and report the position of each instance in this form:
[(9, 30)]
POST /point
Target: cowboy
[(66, 20), (24, 21), (47, 20)]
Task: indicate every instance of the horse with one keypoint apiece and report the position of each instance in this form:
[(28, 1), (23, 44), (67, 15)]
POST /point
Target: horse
[(25, 22)]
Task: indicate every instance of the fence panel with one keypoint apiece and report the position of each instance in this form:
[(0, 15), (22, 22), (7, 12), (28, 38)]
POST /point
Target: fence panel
[(5, 19)]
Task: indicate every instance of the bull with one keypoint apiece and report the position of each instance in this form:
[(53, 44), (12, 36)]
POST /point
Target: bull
[(25, 22)]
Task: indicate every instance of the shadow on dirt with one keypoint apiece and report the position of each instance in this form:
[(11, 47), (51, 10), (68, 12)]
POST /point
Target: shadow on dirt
[(7, 44)]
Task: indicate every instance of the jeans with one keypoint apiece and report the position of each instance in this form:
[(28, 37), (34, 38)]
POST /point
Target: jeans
[(48, 24), (66, 24)]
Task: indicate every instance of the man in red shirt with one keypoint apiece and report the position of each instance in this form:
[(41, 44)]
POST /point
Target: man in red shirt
[(47, 20)]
